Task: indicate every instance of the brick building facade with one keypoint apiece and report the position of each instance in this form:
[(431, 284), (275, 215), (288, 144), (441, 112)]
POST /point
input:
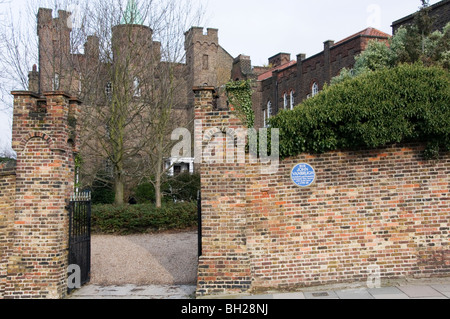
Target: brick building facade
[(287, 82)]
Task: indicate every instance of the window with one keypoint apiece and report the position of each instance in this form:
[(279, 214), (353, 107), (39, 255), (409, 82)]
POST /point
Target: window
[(265, 118), (55, 84), (315, 89), (108, 167), (177, 166), (267, 113), (285, 101), (180, 168), (80, 83), (108, 90), (136, 87), (292, 100), (205, 62)]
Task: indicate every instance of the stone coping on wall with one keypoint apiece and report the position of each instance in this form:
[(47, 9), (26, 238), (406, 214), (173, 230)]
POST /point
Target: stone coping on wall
[(8, 167)]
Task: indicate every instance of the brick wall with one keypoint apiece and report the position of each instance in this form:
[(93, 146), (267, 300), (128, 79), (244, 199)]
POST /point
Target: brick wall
[(34, 224), (7, 208), (385, 209), (224, 262)]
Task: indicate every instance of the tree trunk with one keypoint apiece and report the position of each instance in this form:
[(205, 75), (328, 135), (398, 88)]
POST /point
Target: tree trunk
[(158, 194), (118, 190)]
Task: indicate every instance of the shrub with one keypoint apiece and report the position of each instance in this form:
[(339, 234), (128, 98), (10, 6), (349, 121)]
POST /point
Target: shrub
[(405, 103), (131, 219), (102, 189), (183, 187), (145, 193), (103, 195)]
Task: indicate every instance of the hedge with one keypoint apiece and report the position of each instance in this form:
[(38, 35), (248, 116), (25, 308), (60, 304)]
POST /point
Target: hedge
[(132, 219), (402, 104)]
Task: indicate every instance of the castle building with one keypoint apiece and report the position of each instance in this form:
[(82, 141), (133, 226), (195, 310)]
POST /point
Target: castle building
[(135, 53), (286, 82)]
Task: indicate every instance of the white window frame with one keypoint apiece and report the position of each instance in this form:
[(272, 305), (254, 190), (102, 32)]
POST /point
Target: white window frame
[(171, 162), (314, 89), (267, 113), (265, 118), (136, 87), (56, 82), (292, 99), (285, 101)]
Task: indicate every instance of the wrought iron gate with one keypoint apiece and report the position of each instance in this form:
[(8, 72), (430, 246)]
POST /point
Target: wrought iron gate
[(199, 211), (80, 234)]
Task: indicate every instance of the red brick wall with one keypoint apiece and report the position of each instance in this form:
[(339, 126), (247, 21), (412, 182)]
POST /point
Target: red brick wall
[(385, 209)]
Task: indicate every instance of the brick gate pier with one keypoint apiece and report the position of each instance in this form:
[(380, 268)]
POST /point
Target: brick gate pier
[(34, 194)]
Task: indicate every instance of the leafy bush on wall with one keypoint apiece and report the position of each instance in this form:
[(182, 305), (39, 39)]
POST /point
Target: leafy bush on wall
[(404, 103)]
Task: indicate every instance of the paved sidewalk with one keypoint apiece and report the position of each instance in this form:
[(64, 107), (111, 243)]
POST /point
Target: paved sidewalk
[(437, 288), (135, 292)]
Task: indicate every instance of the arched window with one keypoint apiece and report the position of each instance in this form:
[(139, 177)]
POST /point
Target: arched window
[(56, 82), (292, 100), (285, 101), (315, 89), (136, 87), (265, 118), (267, 113)]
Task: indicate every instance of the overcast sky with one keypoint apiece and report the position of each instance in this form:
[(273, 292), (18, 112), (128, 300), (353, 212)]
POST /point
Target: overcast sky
[(263, 28)]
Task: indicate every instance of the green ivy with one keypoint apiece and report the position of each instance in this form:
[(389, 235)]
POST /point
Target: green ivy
[(403, 104), (239, 94)]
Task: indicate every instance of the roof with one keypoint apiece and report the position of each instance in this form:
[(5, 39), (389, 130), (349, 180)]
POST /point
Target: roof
[(369, 32), (268, 74)]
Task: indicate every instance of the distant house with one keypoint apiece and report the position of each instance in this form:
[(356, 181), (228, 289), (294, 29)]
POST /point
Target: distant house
[(287, 82)]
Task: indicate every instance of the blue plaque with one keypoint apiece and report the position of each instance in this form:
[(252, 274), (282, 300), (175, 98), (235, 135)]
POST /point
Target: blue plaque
[(303, 175)]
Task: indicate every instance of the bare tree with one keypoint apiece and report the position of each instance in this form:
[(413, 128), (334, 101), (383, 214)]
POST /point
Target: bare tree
[(145, 92), (123, 59), (170, 91)]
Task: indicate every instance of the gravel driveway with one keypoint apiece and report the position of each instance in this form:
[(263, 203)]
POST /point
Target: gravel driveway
[(153, 259)]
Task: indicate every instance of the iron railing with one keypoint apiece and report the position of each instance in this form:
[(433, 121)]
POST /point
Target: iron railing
[(80, 234)]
